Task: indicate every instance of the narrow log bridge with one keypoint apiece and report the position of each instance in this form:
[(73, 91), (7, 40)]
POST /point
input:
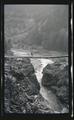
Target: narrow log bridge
[(47, 57)]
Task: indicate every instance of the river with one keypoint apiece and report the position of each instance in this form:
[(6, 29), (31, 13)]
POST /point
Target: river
[(53, 102), (39, 64)]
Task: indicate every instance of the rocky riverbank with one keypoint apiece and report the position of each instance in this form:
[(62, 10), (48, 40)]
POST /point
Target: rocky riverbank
[(22, 90), (55, 78)]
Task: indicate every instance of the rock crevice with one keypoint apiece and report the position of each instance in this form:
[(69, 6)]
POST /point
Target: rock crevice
[(55, 78), (22, 90)]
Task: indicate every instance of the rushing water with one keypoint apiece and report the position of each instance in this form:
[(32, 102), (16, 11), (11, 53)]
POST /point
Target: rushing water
[(53, 101), (39, 64)]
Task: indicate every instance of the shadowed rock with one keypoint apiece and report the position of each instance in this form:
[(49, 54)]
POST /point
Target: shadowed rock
[(55, 78), (21, 93)]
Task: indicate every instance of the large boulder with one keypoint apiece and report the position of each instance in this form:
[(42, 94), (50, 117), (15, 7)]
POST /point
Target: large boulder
[(50, 74), (21, 93), (56, 78)]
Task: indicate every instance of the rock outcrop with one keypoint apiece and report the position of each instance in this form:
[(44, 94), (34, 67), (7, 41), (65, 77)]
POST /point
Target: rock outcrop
[(21, 93), (55, 78)]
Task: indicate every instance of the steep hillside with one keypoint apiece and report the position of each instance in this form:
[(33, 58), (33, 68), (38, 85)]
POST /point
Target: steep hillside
[(45, 26), (56, 78), (22, 90)]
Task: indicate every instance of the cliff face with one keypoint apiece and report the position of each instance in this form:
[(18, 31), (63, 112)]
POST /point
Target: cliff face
[(21, 93), (55, 78)]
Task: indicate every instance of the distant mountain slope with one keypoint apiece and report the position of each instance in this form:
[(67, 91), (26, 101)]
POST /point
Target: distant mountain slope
[(46, 26)]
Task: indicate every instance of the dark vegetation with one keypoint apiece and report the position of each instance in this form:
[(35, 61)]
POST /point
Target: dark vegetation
[(34, 26), (21, 93), (22, 90)]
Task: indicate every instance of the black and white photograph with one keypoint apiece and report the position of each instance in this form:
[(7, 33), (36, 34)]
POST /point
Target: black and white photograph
[(36, 67)]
